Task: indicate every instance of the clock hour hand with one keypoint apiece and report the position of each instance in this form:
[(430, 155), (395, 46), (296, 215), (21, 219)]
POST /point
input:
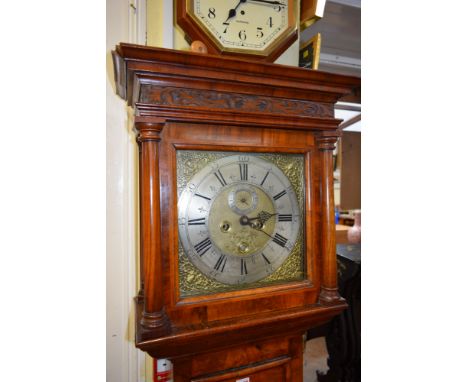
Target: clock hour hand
[(233, 11), (262, 217)]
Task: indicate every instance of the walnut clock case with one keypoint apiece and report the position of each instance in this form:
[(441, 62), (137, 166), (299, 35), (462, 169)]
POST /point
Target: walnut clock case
[(237, 236)]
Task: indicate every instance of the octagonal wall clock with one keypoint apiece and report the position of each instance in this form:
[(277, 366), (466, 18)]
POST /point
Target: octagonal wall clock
[(255, 29)]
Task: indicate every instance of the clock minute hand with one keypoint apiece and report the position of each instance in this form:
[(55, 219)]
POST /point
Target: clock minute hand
[(261, 230), (264, 216), (270, 2)]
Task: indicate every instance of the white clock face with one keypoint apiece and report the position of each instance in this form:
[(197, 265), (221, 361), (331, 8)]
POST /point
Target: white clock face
[(251, 25), (238, 219)]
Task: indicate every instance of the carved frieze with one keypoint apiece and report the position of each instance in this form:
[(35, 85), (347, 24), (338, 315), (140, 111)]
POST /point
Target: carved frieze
[(199, 98)]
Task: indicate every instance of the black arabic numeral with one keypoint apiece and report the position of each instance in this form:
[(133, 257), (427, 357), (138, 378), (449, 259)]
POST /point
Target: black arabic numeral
[(211, 13), (260, 32), (242, 35)]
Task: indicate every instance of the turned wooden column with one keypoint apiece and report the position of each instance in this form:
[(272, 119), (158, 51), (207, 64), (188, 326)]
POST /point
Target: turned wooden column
[(141, 273), (148, 138), (329, 290)]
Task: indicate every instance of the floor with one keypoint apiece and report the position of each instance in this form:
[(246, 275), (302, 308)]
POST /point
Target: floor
[(315, 359)]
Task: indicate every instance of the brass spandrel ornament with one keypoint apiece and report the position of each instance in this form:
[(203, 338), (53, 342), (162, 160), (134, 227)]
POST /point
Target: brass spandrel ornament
[(240, 220)]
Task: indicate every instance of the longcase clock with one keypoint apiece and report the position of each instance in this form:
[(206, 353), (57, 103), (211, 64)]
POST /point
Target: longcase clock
[(236, 210)]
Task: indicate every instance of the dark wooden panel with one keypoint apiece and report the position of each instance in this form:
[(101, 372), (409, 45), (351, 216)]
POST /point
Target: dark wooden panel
[(350, 182), (274, 360)]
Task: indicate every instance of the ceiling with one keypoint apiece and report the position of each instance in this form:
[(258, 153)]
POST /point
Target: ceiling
[(340, 28)]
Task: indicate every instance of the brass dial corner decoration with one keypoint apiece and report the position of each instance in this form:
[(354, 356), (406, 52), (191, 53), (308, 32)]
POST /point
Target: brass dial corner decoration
[(261, 29), (241, 220)]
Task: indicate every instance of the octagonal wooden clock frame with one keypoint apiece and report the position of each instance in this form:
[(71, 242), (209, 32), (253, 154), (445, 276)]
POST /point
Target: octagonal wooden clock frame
[(189, 101), (195, 31)]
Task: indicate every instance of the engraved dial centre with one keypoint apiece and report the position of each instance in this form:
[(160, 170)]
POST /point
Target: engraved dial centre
[(238, 207)]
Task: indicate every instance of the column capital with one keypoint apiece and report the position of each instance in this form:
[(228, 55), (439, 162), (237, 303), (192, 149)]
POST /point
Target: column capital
[(326, 140), (148, 131)]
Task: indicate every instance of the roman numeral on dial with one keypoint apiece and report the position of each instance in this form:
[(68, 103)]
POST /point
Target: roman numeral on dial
[(263, 181), (220, 177), (203, 246), (285, 218), (244, 171), (279, 195), (268, 266), (219, 266), (243, 267), (266, 259), (200, 221), (203, 196), (280, 240)]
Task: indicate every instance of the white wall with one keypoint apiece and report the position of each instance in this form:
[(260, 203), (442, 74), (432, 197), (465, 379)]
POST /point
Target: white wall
[(124, 362)]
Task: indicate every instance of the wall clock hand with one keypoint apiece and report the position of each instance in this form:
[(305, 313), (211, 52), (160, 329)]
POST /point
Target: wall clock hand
[(271, 2), (233, 11)]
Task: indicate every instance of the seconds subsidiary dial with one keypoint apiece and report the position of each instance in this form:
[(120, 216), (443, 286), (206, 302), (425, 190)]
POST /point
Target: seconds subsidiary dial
[(239, 219)]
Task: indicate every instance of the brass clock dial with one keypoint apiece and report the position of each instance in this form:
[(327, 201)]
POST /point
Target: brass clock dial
[(245, 26), (239, 219)]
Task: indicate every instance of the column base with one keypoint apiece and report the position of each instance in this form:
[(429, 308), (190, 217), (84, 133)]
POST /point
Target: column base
[(330, 296), (156, 322)]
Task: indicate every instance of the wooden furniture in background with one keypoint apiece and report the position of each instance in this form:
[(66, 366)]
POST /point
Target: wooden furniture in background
[(201, 102), (350, 174), (342, 233)]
